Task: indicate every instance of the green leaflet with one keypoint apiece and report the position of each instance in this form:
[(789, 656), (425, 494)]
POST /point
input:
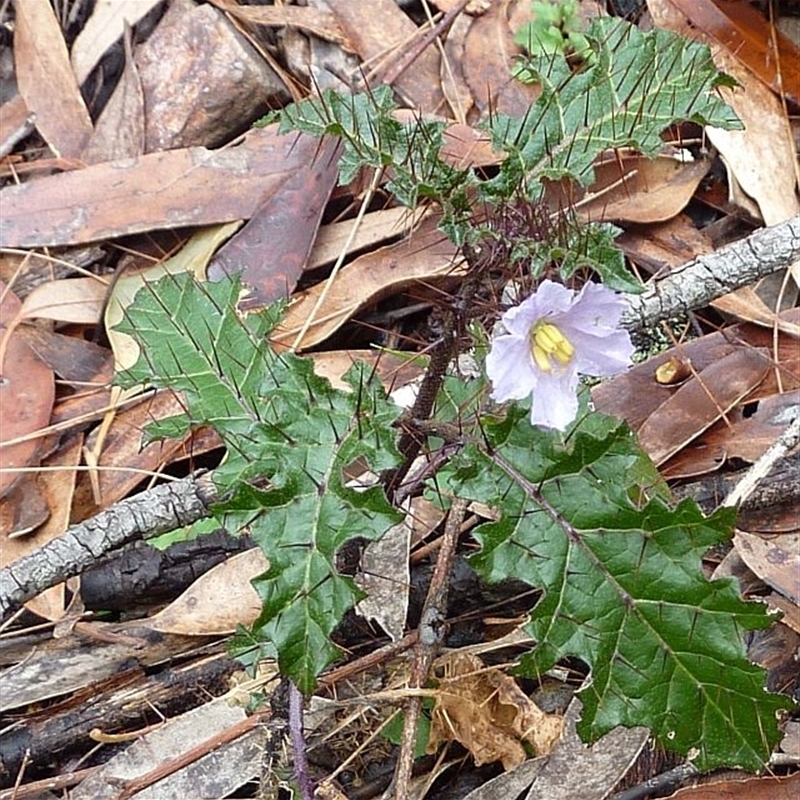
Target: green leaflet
[(282, 423), (623, 588), (373, 137)]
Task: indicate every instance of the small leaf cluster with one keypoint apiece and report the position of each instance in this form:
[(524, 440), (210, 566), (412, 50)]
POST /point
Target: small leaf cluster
[(554, 29), (632, 88)]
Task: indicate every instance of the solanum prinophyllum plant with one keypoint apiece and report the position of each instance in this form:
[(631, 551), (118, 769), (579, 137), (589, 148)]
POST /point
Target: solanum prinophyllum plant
[(581, 513)]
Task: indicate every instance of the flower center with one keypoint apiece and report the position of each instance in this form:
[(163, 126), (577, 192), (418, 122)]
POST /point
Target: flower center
[(547, 343)]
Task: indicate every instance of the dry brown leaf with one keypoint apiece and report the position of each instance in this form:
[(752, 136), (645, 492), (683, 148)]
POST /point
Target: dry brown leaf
[(473, 6), (385, 579), (27, 392), (104, 27), (454, 85), (46, 81), (380, 37), (392, 370), (746, 305), (790, 610), (701, 401), (770, 179), (177, 188), (56, 488), (77, 300), (577, 770), (775, 558), (488, 58), (199, 610), (664, 246), (22, 508), (745, 32), (75, 360), (375, 227), (213, 745), (632, 188), (746, 439), (763, 788), (13, 116), (318, 21), (791, 738), (465, 147), (635, 394), (119, 132), (272, 249), (124, 461), (485, 710), (426, 517), (425, 255)]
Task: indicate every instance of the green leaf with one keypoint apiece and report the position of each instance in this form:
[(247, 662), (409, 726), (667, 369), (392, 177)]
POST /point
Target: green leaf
[(290, 439), (592, 247), (623, 588), (393, 731), (636, 86), (574, 247)]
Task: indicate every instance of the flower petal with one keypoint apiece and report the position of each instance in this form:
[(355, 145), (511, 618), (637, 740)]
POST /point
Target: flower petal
[(510, 368), (555, 401), (553, 297), (549, 300), (601, 356)]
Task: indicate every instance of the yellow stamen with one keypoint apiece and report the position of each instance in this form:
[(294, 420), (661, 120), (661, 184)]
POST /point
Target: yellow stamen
[(541, 359), (546, 341)]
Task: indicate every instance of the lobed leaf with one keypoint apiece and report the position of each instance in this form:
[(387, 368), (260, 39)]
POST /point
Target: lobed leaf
[(635, 87), (374, 137), (281, 424), (623, 589)]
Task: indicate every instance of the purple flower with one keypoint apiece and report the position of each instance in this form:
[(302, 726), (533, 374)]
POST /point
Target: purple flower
[(552, 336)]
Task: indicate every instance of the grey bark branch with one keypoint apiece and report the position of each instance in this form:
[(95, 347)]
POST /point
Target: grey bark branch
[(158, 510), (698, 282)]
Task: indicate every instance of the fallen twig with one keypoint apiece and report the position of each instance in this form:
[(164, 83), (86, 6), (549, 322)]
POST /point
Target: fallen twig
[(705, 278), (158, 510), (431, 634)]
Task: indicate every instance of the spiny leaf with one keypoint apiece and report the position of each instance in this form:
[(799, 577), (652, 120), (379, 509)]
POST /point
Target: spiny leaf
[(635, 88), (283, 423), (623, 589), (373, 137)]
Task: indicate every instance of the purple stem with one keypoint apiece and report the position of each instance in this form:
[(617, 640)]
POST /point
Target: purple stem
[(299, 743)]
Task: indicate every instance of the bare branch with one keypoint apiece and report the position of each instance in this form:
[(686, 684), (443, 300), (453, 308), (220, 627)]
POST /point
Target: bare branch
[(698, 282), (158, 510)]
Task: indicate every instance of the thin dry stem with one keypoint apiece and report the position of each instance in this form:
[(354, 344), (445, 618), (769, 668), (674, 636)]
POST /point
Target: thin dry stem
[(431, 634)]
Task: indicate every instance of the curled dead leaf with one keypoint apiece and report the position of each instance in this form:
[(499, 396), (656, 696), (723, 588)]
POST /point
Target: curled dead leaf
[(486, 711)]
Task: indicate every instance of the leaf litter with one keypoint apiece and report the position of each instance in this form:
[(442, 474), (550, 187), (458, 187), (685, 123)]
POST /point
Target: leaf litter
[(122, 202)]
